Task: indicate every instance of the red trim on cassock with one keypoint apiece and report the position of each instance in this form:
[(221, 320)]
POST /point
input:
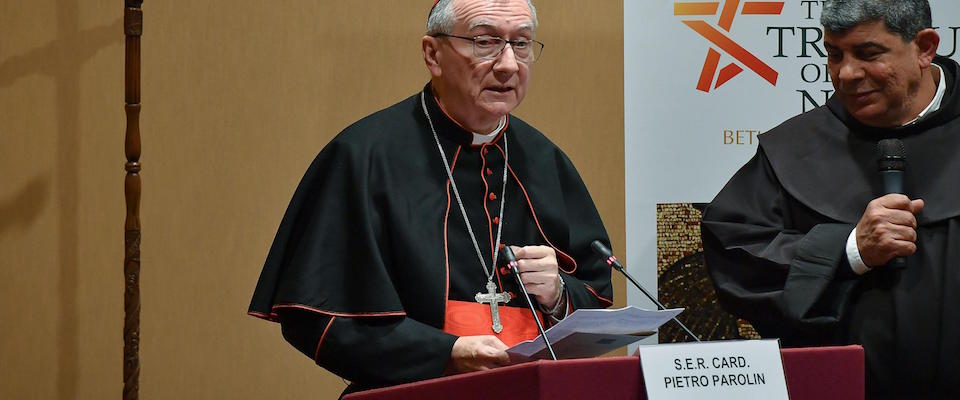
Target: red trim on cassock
[(259, 315), (486, 210), (594, 292), (316, 354), (446, 218), (337, 314), (560, 254)]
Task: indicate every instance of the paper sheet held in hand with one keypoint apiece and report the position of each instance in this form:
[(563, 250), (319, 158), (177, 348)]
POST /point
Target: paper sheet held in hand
[(591, 332)]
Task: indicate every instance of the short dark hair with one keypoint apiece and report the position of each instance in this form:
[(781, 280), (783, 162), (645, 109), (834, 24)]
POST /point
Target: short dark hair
[(902, 17)]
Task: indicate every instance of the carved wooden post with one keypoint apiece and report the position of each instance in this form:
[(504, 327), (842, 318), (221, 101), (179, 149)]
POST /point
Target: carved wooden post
[(133, 27)]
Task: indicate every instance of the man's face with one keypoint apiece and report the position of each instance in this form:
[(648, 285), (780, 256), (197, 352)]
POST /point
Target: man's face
[(876, 74), (485, 89)]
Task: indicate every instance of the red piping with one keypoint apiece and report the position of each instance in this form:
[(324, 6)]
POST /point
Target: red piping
[(446, 249), (316, 354), (258, 315), (536, 220), (594, 292), (486, 210), (338, 314)]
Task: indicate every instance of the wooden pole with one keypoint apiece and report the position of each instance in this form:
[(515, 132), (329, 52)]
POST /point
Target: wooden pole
[(133, 28)]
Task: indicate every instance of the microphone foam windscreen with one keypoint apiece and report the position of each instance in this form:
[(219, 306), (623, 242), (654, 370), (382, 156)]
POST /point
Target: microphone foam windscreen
[(892, 155)]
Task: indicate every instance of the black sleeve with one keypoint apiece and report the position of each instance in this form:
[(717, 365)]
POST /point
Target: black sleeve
[(780, 269), (582, 294), (589, 285), (375, 351)]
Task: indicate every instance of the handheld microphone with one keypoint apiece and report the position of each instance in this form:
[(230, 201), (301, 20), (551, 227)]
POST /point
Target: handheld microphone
[(599, 248), (892, 163), (511, 260)]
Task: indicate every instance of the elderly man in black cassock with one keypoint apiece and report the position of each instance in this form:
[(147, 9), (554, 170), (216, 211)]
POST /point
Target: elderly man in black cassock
[(803, 240), (384, 269)]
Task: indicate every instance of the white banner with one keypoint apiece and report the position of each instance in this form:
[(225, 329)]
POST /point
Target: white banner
[(702, 80)]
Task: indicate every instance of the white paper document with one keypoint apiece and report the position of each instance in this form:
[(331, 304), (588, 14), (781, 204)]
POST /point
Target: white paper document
[(592, 332)]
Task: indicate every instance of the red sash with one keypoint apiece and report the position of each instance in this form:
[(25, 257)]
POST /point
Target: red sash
[(467, 319)]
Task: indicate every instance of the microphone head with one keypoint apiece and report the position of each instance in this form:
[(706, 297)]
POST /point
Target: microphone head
[(509, 260), (893, 156), (601, 249), (507, 256)]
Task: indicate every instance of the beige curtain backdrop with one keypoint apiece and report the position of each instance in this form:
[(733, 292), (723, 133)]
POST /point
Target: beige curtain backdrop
[(238, 97)]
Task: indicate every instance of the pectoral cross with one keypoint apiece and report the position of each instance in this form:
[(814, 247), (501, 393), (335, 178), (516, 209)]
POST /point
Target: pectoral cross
[(493, 298)]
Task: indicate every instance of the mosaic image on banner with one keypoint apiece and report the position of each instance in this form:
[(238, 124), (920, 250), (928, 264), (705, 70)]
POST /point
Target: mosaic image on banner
[(683, 281), (702, 79)]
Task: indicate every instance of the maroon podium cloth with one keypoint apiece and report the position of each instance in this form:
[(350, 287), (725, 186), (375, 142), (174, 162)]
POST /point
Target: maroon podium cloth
[(812, 373)]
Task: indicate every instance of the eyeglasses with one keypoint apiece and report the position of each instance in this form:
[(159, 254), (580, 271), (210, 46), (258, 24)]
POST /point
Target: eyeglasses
[(490, 47)]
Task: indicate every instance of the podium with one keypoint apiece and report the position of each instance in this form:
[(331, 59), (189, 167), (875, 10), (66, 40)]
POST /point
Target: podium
[(811, 373)]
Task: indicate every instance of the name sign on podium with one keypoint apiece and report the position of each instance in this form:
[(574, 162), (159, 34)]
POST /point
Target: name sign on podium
[(740, 369)]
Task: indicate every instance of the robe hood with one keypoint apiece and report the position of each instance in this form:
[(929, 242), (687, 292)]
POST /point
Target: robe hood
[(827, 160)]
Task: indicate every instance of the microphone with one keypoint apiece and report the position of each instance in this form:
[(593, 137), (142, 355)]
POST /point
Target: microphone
[(892, 163), (511, 260), (601, 249)]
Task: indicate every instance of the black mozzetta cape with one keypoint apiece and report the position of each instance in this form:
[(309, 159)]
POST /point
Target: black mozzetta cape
[(775, 236), (373, 243)]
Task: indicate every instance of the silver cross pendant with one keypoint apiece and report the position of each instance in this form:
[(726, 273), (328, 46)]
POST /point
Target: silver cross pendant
[(493, 298)]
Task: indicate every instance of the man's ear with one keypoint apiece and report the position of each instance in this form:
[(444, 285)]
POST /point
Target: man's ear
[(927, 42), (431, 49)]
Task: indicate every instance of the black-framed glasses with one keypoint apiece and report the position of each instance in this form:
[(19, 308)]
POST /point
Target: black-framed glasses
[(488, 47)]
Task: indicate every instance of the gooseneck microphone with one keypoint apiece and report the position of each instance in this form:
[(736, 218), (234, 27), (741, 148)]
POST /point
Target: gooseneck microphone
[(892, 163), (612, 261), (511, 260)]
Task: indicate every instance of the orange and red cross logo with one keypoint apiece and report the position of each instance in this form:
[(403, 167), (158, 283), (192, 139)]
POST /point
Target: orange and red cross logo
[(724, 42)]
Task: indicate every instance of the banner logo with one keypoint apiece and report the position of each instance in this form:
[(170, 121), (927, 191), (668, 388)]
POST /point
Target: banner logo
[(719, 39)]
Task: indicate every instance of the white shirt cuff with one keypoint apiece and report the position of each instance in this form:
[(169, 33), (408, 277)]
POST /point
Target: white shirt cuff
[(853, 255)]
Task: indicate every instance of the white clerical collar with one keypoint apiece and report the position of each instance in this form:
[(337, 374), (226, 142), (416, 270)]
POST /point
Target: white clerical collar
[(937, 98), (479, 138)]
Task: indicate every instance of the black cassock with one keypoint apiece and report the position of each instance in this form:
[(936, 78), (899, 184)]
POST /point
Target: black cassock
[(775, 236), (373, 242)]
